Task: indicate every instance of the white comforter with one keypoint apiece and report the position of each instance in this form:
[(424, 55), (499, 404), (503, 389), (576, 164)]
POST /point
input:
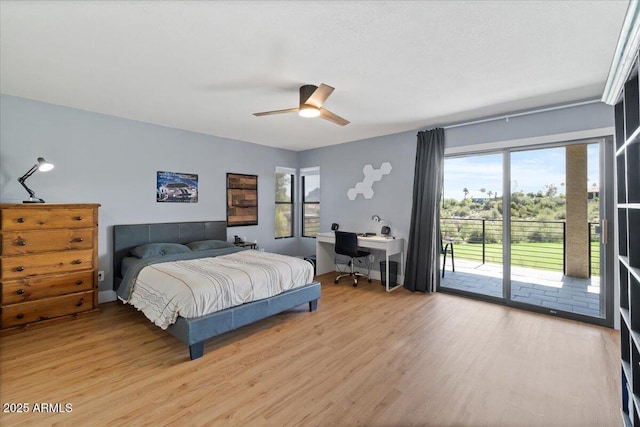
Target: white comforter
[(196, 287)]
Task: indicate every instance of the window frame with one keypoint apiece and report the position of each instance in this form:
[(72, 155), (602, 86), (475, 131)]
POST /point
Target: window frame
[(291, 203), (314, 171)]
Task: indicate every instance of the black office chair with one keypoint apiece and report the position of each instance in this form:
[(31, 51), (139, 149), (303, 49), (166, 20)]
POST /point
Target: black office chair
[(446, 247), (347, 244)]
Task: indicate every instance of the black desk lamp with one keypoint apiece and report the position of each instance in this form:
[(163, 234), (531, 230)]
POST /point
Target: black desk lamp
[(386, 229), (42, 166)]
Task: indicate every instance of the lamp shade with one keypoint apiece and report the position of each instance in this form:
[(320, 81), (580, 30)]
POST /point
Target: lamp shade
[(43, 165)]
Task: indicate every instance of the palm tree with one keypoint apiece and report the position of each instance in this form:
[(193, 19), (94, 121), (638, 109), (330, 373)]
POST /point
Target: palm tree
[(551, 190), (465, 190)]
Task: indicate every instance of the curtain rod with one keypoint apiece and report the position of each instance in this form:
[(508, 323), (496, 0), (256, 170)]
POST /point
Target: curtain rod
[(524, 113)]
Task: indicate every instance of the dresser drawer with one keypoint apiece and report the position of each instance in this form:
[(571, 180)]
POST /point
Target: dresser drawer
[(34, 288), (30, 242), (47, 218), (33, 311), (16, 267)]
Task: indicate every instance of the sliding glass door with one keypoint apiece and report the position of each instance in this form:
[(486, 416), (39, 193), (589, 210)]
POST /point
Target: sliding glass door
[(554, 244), (527, 228), (471, 220)]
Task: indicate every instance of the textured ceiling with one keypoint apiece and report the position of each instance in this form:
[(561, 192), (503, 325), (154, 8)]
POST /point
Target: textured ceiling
[(396, 66)]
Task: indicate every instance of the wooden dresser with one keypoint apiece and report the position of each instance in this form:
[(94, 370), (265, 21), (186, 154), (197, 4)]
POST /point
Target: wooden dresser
[(48, 264)]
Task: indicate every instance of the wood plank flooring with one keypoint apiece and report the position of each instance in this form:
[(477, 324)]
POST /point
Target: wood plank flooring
[(364, 358)]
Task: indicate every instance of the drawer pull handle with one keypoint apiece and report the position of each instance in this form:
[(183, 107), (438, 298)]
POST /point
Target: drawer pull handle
[(77, 218), (20, 291), (22, 242), (77, 261), (79, 303), (78, 239), (20, 220), (20, 268), (78, 282), (19, 316)]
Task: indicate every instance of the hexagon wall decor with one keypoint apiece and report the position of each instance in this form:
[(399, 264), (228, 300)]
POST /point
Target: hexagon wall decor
[(371, 175)]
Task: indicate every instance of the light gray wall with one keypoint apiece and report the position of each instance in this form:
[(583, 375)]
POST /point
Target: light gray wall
[(341, 165), (578, 118), (341, 168), (112, 161)]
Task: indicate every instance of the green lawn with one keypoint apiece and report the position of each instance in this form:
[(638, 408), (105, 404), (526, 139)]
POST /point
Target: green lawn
[(546, 256)]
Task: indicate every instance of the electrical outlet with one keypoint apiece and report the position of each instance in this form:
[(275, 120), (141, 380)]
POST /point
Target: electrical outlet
[(100, 276)]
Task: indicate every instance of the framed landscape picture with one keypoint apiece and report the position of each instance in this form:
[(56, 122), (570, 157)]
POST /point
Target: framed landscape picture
[(242, 199), (177, 187)]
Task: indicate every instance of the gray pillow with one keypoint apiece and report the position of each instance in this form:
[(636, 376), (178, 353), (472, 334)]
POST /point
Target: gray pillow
[(203, 245), (158, 249)]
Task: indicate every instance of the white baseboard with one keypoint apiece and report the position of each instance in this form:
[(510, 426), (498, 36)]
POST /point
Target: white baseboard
[(107, 296)]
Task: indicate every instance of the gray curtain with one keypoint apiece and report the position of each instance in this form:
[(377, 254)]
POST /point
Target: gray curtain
[(423, 254)]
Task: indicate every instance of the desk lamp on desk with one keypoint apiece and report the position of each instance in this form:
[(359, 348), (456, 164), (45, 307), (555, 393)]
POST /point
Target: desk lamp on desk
[(386, 229)]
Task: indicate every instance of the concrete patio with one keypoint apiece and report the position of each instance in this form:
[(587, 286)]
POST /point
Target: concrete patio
[(538, 287)]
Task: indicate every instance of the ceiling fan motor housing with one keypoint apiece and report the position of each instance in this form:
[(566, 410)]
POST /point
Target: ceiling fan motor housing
[(305, 92)]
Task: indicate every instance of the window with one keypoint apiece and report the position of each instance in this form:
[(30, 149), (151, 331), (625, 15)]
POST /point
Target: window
[(310, 201), (284, 202)]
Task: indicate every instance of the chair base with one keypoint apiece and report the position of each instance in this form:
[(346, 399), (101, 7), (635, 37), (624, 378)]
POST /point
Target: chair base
[(355, 275)]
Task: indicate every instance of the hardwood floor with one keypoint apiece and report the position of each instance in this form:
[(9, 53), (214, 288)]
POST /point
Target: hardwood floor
[(364, 358)]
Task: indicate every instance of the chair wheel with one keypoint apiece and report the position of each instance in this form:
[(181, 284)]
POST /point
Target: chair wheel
[(369, 280), (355, 284), (335, 281)]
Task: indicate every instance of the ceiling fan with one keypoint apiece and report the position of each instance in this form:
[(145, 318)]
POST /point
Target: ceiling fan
[(311, 100)]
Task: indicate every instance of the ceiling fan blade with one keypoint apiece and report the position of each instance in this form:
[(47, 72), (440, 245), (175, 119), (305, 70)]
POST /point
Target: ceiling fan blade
[(268, 113), (320, 95), (328, 115)]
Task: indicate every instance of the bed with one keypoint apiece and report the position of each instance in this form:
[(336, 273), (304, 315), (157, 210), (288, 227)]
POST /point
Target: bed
[(195, 331)]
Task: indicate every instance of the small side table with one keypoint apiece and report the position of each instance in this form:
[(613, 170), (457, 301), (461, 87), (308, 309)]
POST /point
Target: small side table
[(249, 245)]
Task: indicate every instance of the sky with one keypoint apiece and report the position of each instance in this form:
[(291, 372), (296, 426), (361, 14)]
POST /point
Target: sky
[(531, 170)]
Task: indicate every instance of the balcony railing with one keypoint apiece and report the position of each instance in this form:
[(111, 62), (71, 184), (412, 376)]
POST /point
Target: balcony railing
[(535, 244)]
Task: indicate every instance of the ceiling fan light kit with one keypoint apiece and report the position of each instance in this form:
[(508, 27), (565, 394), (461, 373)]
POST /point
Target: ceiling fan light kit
[(308, 111), (311, 100)]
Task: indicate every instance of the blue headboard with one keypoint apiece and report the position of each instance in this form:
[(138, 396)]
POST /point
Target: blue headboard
[(126, 237)]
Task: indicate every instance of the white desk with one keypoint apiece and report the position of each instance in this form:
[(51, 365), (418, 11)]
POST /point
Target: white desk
[(325, 254)]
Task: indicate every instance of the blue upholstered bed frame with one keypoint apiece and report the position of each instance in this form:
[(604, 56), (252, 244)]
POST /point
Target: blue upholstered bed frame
[(194, 332)]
